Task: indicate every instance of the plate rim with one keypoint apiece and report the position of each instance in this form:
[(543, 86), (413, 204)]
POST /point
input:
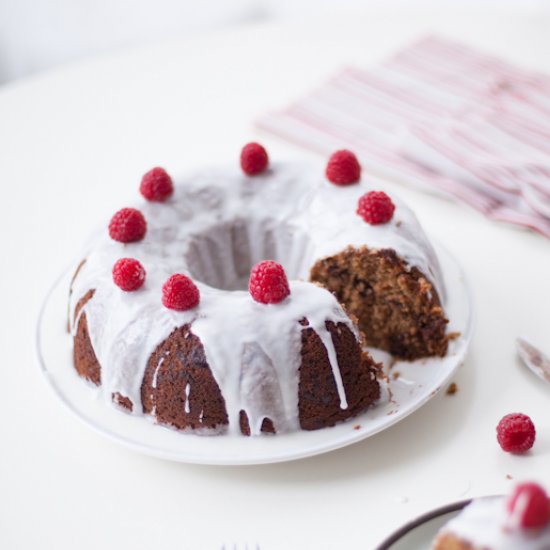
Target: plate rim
[(426, 517), (192, 457), (413, 524)]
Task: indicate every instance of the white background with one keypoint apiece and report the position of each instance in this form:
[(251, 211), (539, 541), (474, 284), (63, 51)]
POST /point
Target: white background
[(73, 145), (38, 34)]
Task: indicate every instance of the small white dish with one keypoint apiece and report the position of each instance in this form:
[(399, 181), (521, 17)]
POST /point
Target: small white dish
[(417, 383)]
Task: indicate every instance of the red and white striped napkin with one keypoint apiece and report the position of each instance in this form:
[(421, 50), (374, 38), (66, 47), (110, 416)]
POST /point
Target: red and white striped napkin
[(443, 115)]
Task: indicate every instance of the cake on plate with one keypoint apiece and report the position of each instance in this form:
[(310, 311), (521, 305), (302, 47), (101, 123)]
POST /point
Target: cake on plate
[(520, 521), (240, 299)]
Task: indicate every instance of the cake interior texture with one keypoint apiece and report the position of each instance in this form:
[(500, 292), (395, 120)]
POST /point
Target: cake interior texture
[(397, 309), (452, 542)]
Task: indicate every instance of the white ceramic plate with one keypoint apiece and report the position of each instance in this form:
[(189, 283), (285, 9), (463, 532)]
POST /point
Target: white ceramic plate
[(420, 533), (418, 382)]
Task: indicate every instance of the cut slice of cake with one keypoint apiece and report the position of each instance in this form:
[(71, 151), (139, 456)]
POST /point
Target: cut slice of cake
[(520, 521)]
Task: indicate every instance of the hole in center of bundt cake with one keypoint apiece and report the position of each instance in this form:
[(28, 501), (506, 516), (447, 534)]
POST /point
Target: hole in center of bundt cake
[(223, 255)]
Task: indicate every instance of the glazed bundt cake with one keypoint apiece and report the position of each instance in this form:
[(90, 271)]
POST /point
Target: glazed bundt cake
[(241, 301)]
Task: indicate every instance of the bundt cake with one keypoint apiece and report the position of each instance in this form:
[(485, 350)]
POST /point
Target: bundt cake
[(163, 322), (519, 522)]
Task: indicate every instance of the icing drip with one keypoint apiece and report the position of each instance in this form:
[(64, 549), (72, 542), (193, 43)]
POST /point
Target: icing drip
[(187, 392), (159, 364), (256, 363), (326, 338), (214, 228)]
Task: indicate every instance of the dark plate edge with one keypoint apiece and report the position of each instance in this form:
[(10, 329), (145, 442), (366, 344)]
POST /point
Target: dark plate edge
[(424, 518)]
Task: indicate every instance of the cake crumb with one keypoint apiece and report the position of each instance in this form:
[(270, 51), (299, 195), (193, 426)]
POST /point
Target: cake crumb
[(357, 427), (396, 374), (398, 223), (508, 476), (452, 389)]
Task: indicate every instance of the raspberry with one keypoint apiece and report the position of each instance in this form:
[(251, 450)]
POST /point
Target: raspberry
[(516, 433), (268, 283), (375, 207), (156, 185), (127, 225), (529, 506), (254, 159), (180, 293), (128, 274), (343, 168)]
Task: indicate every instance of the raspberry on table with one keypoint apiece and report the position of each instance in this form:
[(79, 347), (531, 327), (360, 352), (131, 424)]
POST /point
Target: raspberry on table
[(528, 506), (268, 283), (179, 292), (156, 185), (375, 207), (516, 433), (343, 168), (254, 159), (128, 274), (127, 225)]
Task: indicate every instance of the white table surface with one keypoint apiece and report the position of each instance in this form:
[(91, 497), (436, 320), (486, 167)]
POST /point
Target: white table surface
[(73, 144)]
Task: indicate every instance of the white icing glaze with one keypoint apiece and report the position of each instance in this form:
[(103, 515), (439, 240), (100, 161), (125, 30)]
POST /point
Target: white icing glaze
[(215, 227), (485, 524)]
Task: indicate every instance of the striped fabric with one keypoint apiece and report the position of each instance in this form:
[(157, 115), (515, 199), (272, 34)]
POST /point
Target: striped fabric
[(439, 115)]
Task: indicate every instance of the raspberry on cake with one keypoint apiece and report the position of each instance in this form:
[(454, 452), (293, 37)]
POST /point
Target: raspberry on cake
[(375, 207), (268, 283), (254, 159), (343, 168), (128, 274), (127, 225), (156, 185), (260, 296), (519, 521), (528, 506), (179, 292)]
